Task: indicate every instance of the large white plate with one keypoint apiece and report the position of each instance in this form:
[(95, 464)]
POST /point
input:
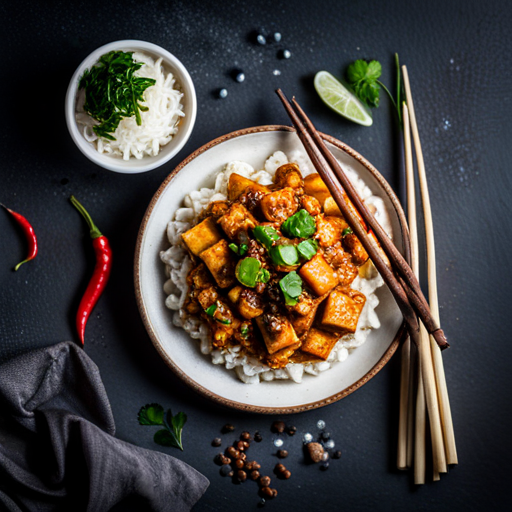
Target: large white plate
[(181, 353)]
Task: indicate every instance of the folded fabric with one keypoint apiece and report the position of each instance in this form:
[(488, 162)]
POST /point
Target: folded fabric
[(57, 450)]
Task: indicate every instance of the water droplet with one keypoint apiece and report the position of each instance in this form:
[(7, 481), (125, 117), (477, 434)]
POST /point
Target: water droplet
[(223, 93), (261, 39), (278, 443), (277, 37), (276, 72), (320, 424), (307, 437), (330, 444)]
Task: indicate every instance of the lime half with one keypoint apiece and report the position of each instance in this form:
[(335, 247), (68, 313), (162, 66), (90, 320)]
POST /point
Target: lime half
[(336, 96)]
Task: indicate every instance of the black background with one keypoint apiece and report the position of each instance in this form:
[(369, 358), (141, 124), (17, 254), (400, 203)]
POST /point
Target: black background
[(458, 54)]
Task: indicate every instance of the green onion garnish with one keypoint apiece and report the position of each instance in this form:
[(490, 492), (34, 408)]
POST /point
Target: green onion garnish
[(346, 231), (300, 225), (266, 235), (291, 286), (307, 249), (284, 255)]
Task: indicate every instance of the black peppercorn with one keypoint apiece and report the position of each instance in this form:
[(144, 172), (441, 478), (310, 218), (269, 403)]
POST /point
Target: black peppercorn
[(282, 454), (225, 470), (278, 427), (291, 430), (245, 436), (286, 474), (239, 464), (324, 466), (336, 454), (217, 441), (255, 475), (241, 475), (279, 468), (265, 481), (228, 428), (257, 437)]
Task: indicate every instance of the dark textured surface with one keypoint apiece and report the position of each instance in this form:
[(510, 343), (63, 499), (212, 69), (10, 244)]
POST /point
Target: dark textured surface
[(459, 61)]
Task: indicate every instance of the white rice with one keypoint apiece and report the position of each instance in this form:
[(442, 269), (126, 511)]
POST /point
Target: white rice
[(178, 263), (159, 123)]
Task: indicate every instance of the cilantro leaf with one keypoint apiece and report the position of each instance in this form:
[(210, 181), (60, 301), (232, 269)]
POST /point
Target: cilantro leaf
[(151, 414), (363, 78), (171, 434)]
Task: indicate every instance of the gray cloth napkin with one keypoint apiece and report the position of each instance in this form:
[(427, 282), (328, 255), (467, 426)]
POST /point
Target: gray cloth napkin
[(57, 450)]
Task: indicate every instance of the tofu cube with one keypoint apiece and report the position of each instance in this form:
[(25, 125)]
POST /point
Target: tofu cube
[(237, 185), (318, 275), (202, 236), (237, 219), (314, 186), (219, 259), (319, 343), (341, 310), (277, 332)]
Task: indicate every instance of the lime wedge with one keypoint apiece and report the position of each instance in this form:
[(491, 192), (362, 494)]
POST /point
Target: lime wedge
[(336, 96)]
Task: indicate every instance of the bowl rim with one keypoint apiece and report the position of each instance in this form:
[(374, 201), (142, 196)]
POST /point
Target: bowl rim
[(397, 340), (118, 165)]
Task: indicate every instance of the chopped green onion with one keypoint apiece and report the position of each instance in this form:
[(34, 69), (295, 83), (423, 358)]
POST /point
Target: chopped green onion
[(300, 225), (263, 276), (284, 255), (346, 231), (225, 322), (247, 271), (234, 248), (211, 310), (266, 235), (244, 330), (291, 286), (243, 249), (307, 249)]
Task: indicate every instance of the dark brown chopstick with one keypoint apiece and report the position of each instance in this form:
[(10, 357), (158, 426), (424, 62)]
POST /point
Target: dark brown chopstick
[(408, 300)]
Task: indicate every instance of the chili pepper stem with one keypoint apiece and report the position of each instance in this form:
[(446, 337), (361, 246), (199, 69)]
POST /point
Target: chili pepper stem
[(93, 230)]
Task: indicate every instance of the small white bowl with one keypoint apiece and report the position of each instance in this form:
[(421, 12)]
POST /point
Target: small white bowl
[(147, 163)]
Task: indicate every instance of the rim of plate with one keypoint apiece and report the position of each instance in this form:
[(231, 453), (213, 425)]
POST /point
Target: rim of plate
[(147, 322)]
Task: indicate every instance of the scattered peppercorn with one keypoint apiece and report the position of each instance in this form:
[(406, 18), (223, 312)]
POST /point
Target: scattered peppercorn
[(326, 436), (232, 452), (279, 468), (267, 491), (240, 446), (239, 464), (282, 454), (286, 474), (245, 436), (228, 428), (278, 427), (324, 466), (336, 454), (217, 441), (257, 437), (292, 430), (264, 481), (241, 475), (255, 475)]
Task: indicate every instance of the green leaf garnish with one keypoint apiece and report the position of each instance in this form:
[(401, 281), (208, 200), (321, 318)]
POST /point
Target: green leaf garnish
[(346, 231), (307, 249), (112, 91), (284, 255), (211, 310), (243, 249), (234, 248), (171, 434), (266, 235), (299, 225), (291, 286), (247, 271), (151, 414)]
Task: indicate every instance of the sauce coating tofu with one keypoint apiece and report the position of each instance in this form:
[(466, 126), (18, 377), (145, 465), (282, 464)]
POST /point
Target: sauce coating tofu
[(279, 205), (277, 332), (236, 220), (314, 186), (342, 310), (318, 275), (319, 343), (219, 259), (202, 236), (238, 184)]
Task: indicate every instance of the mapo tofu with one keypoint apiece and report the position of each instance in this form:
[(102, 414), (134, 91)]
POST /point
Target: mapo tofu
[(272, 268)]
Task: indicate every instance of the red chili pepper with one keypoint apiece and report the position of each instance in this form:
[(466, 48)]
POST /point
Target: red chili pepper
[(28, 230), (100, 275)]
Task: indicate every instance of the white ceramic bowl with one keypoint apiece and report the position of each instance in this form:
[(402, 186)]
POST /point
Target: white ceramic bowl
[(132, 166), (182, 353)]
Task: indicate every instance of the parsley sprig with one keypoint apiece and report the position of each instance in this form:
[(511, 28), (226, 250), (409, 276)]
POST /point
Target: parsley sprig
[(170, 435), (112, 91), (364, 76)]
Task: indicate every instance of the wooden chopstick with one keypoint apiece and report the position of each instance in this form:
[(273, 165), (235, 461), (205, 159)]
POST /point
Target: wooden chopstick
[(446, 416), (412, 287), (374, 251)]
